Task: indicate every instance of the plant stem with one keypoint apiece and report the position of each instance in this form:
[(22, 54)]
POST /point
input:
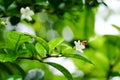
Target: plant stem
[(30, 58), (109, 71), (40, 60)]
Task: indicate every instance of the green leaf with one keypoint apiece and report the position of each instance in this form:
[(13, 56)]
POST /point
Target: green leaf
[(62, 69), (7, 3), (31, 48), (112, 47), (1, 2), (43, 43), (14, 68), (63, 47), (77, 56), (54, 43), (4, 57), (40, 49), (115, 26), (81, 24), (7, 55), (15, 39), (14, 77)]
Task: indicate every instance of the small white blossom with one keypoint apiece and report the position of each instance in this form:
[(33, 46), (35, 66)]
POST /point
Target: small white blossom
[(26, 13), (79, 46)]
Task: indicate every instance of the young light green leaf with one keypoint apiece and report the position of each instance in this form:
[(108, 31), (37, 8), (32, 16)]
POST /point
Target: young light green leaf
[(77, 56), (54, 43), (62, 69), (43, 43), (40, 49), (14, 39), (4, 57), (62, 47)]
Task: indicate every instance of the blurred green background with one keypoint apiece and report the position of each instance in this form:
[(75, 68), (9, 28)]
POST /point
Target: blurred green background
[(72, 20)]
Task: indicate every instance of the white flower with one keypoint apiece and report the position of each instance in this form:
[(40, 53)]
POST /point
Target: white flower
[(26, 13), (79, 46)]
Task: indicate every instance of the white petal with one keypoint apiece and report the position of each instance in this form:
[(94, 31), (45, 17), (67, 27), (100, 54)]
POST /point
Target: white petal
[(27, 8), (82, 46), (22, 10), (78, 41), (80, 50), (23, 16), (28, 18), (31, 13), (75, 42)]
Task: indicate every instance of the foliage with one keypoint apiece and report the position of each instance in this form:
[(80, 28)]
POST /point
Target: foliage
[(57, 24), (18, 44)]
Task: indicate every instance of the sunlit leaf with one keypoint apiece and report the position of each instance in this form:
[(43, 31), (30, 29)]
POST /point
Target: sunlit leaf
[(62, 47), (62, 69), (43, 43), (54, 43), (77, 56), (40, 49), (14, 39)]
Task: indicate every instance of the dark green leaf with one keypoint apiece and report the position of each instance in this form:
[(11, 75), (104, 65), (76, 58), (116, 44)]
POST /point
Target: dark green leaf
[(14, 68), (1, 2), (62, 69), (7, 3), (9, 69), (54, 43), (41, 50), (77, 56)]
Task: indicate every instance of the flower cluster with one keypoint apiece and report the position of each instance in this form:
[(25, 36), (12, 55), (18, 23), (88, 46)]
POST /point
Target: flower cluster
[(79, 46), (26, 13)]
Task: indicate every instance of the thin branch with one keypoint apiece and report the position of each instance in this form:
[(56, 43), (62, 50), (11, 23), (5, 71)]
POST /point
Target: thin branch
[(40, 60), (29, 58)]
